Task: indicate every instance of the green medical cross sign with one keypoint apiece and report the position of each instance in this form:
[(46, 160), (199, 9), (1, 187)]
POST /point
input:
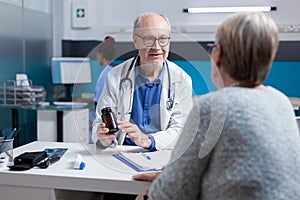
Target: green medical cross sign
[(80, 12)]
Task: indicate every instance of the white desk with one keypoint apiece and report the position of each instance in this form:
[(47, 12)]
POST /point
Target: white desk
[(103, 173)]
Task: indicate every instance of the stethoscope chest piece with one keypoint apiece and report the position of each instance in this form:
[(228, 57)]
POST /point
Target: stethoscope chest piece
[(169, 104)]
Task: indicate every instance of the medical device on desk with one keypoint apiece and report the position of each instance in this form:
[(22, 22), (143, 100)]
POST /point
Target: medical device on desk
[(169, 102), (79, 163)]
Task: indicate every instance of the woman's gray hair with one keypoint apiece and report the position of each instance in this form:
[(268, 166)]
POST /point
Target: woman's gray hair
[(249, 42), (137, 21)]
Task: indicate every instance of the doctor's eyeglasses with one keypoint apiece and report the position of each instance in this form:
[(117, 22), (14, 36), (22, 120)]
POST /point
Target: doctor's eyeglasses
[(150, 41)]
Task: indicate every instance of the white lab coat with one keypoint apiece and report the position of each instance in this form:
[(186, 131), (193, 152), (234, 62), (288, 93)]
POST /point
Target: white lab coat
[(171, 121)]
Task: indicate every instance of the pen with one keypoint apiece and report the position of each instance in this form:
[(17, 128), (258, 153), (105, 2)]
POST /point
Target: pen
[(146, 156), (10, 136), (4, 143)]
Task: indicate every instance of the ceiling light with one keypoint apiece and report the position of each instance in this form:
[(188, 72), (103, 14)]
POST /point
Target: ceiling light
[(230, 9)]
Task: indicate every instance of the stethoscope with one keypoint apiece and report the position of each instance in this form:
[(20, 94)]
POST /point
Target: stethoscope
[(169, 102)]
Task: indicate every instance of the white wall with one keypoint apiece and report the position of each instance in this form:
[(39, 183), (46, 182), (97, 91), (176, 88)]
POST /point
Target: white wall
[(42, 6), (114, 16)]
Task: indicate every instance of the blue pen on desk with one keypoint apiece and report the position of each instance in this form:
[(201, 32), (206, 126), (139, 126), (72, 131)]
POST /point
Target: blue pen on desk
[(11, 135), (145, 155)]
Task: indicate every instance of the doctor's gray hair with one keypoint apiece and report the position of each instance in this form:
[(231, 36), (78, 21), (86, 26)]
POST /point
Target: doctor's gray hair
[(137, 21)]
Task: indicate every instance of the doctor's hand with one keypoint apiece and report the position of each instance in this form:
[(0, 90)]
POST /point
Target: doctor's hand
[(134, 133), (102, 134)]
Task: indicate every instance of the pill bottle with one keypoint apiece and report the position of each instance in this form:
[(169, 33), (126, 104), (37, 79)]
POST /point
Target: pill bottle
[(109, 119)]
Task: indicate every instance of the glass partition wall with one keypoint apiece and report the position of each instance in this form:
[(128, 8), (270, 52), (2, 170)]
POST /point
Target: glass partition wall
[(25, 47)]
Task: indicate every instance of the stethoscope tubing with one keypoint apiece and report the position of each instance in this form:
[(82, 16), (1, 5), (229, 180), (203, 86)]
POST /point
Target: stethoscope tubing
[(169, 101)]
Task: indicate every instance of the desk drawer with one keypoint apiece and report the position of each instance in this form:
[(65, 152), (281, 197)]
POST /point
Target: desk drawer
[(75, 125)]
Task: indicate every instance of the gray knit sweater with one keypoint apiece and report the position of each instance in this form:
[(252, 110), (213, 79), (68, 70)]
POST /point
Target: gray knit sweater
[(237, 144)]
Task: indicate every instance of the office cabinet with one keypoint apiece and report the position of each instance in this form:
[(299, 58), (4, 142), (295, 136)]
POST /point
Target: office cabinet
[(75, 125)]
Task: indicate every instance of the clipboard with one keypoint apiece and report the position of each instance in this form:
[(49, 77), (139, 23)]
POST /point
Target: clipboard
[(133, 166), (145, 161)]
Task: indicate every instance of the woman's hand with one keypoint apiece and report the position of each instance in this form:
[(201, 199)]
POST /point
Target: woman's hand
[(149, 176), (133, 132)]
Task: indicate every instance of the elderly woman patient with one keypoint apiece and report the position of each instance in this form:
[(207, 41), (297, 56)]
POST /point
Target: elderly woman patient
[(242, 141)]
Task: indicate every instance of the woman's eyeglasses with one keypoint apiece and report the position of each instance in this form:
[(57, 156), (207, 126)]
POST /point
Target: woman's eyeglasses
[(210, 47), (150, 41)]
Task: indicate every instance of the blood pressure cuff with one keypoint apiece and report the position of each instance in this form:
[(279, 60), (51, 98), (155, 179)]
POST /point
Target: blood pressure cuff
[(28, 160)]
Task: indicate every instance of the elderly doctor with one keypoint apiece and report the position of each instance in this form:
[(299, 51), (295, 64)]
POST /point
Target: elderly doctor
[(150, 96)]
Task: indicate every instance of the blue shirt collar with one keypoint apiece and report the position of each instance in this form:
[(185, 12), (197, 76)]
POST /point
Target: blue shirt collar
[(139, 77)]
